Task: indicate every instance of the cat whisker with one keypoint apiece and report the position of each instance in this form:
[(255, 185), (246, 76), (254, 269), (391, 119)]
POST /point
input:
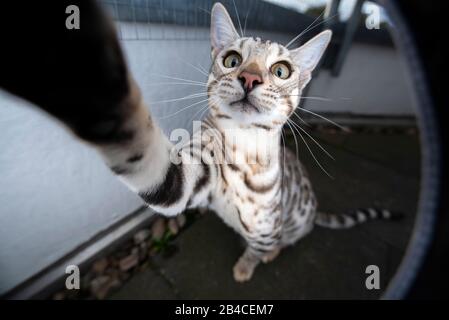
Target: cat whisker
[(238, 18), (316, 142), (324, 21), (324, 118), (310, 98), (301, 119), (283, 154), (202, 109), (305, 30), (183, 109), (294, 136), (198, 111), (180, 79), (317, 98), (313, 155), (176, 83), (191, 96), (205, 10), (244, 27), (246, 19), (203, 72), (218, 138)]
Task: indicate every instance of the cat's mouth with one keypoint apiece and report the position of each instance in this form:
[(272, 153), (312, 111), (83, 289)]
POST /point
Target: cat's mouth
[(245, 105)]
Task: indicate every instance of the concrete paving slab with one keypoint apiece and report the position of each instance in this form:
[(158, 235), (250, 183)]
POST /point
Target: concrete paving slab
[(149, 284), (327, 264)]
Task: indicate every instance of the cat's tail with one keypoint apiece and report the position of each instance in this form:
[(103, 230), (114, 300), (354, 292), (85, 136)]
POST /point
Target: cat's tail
[(344, 221)]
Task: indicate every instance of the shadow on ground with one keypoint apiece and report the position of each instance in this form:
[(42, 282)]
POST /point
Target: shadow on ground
[(369, 170)]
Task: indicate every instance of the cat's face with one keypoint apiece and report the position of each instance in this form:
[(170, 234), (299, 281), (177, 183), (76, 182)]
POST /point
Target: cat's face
[(253, 82)]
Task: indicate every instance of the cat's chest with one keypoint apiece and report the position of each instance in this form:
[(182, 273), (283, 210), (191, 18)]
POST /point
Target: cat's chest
[(242, 198)]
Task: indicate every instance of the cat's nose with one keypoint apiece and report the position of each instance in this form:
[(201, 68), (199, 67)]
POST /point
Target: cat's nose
[(249, 80)]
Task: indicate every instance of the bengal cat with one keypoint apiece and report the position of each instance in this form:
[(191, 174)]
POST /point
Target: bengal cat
[(236, 166)]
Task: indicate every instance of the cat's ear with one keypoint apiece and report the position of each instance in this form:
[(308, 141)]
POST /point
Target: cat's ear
[(222, 30), (308, 55)]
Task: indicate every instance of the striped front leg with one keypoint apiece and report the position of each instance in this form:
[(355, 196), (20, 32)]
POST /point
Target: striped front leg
[(82, 80)]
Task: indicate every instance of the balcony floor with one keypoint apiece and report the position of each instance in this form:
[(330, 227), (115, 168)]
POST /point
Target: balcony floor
[(370, 169)]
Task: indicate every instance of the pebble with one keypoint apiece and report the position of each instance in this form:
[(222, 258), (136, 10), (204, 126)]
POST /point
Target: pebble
[(143, 251), (181, 219), (173, 226), (100, 266), (129, 262), (98, 285), (158, 228), (141, 236), (132, 256), (101, 286)]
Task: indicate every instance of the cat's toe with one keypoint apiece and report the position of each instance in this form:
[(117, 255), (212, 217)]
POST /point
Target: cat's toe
[(242, 272)]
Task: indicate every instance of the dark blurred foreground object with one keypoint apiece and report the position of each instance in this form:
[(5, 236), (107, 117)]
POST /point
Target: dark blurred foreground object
[(62, 69), (425, 20), (76, 75)]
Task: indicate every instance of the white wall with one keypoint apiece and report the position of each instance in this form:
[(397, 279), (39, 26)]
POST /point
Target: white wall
[(54, 191), (372, 82)]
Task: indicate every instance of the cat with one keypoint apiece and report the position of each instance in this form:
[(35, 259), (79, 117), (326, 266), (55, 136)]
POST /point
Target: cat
[(235, 167)]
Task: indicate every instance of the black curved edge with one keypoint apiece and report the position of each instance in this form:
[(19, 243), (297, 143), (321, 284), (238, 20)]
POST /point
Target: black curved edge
[(423, 273)]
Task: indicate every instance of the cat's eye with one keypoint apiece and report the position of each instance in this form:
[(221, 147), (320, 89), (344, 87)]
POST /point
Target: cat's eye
[(281, 70), (232, 60)]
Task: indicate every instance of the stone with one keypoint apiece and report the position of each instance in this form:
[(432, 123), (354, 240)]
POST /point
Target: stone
[(97, 285), (181, 220), (158, 228), (141, 236), (101, 286), (129, 262), (173, 226), (143, 251), (100, 266)]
